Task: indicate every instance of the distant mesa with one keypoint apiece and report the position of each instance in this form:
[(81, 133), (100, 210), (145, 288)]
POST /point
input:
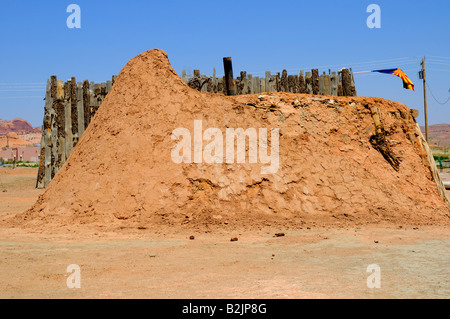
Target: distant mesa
[(18, 132), (439, 134), (17, 126)]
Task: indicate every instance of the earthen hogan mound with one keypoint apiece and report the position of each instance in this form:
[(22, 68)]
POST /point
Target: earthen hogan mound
[(331, 171)]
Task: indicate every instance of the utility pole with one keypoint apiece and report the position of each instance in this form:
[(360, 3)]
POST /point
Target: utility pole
[(425, 98)]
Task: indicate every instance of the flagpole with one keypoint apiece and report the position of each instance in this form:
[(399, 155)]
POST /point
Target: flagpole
[(361, 72)]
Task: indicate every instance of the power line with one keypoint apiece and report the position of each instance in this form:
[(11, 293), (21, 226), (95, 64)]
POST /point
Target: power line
[(21, 97), (439, 60), (25, 84), (440, 63), (357, 65), (21, 87), (370, 63), (22, 90), (435, 97), (443, 70), (439, 57), (366, 65)]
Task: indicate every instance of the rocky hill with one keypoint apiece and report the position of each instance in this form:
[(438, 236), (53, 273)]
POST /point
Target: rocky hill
[(439, 134), (17, 126)]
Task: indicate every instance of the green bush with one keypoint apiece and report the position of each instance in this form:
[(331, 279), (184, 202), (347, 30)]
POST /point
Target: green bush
[(442, 157), (25, 165)]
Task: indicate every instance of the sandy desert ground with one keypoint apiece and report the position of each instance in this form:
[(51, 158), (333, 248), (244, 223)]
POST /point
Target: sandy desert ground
[(160, 263)]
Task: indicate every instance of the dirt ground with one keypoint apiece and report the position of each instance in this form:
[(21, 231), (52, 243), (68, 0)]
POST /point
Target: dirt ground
[(132, 263)]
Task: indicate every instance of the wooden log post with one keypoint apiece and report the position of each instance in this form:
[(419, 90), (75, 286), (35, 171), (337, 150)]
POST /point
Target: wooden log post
[(103, 93), (315, 81), (256, 85), (73, 114), (99, 96), (209, 85), (262, 85), (108, 86), (277, 82), (244, 89), (86, 104), (95, 104), (221, 86), (250, 84), (321, 83), (194, 82), (197, 74), (229, 79), (243, 83), (92, 100), (308, 83), (334, 83), (238, 85), (80, 109), (290, 84), (41, 168), (53, 127), (326, 84), (376, 115), (271, 84), (267, 81), (301, 82), (44, 172), (346, 83), (379, 142), (67, 121), (284, 81), (48, 136), (204, 81), (340, 91), (352, 84), (214, 81), (59, 127)]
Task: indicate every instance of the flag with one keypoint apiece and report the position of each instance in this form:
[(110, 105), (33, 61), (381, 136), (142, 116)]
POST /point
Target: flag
[(407, 84)]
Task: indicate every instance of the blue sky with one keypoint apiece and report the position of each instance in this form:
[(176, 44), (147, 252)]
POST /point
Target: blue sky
[(259, 35)]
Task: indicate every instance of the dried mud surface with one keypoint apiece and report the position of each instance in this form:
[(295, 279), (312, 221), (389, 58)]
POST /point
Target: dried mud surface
[(121, 174)]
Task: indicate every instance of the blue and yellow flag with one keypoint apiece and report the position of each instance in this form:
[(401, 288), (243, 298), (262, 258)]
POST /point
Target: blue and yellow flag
[(407, 84)]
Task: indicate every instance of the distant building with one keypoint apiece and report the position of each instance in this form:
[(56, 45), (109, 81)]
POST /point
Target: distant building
[(25, 154)]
